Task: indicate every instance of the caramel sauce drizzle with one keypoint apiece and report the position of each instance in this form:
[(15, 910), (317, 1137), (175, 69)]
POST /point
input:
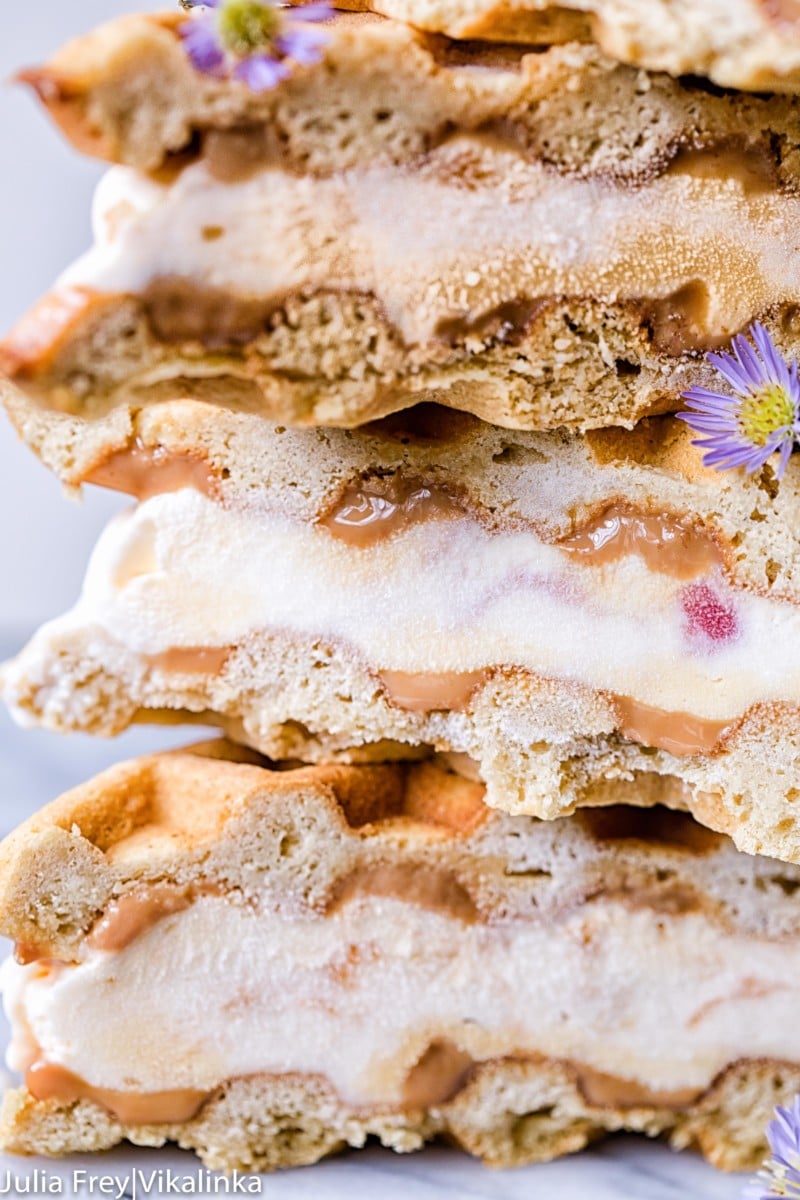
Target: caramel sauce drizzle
[(679, 733), (368, 513), (507, 323), (135, 913), (679, 322), (48, 1081), (132, 915), (609, 1091), (753, 167), (426, 691), (435, 889), (673, 545), (237, 154), (190, 660), (144, 471), (180, 310), (437, 1076)]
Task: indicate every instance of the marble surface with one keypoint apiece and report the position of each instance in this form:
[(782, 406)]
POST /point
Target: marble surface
[(618, 1169), (35, 767)]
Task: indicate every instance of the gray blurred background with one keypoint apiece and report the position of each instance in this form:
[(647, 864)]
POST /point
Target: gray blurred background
[(45, 538), (44, 223)]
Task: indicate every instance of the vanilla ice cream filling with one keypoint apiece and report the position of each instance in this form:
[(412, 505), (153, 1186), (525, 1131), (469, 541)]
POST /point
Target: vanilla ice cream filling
[(182, 570), (220, 991), (474, 226)]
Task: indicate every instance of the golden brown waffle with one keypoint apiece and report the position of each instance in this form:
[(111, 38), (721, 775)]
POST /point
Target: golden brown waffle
[(745, 44), (319, 850), (391, 94), (540, 238), (309, 681)]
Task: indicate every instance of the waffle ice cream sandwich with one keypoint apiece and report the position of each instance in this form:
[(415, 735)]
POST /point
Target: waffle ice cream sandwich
[(565, 610), (750, 44), (265, 965), (503, 847), (540, 237)]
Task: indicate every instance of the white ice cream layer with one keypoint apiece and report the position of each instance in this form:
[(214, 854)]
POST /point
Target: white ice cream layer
[(219, 991), (429, 247), (181, 570)]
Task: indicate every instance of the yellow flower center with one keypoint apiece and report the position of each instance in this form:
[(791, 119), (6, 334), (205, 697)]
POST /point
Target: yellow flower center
[(764, 411), (246, 26)]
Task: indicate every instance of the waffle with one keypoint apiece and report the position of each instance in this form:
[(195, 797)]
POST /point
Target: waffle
[(542, 239), (255, 914), (564, 610), (747, 44)]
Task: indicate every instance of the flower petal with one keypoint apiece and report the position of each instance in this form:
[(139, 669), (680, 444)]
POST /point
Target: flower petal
[(202, 44), (783, 1132), (768, 351), (700, 423), (731, 371), (750, 460), (702, 393), (260, 72), (752, 364), (730, 437), (303, 45), (786, 454), (780, 1175), (728, 408)]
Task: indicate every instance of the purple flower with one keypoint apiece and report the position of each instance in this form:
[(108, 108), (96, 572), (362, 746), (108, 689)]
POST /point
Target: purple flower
[(202, 46), (780, 1175), (260, 73), (762, 416), (254, 41)]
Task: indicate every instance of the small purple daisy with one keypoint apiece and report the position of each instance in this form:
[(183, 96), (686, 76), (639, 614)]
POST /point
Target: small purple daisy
[(780, 1175), (254, 41), (761, 418)]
